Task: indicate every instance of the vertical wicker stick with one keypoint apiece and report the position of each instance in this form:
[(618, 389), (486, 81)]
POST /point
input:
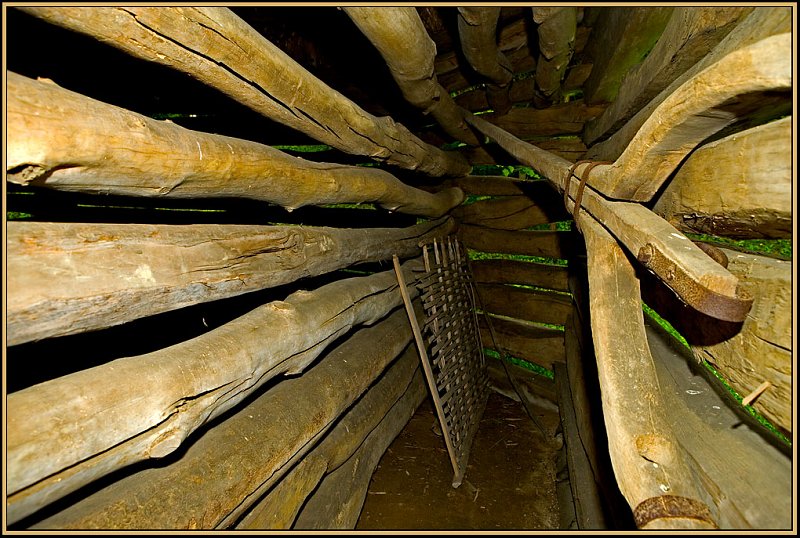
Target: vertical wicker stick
[(458, 477)]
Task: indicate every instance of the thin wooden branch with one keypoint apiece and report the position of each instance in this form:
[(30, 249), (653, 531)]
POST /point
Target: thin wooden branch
[(67, 278), (65, 433), (218, 48), (403, 41), (63, 140)]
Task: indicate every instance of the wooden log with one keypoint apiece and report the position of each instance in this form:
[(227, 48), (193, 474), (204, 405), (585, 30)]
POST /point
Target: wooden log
[(647, 461), (67, 278), (507, 213), (562, 119), (556, 45), (696, 110), (337, 502), (689, 35), (620, 39), (403, 42), (639, 229), (739, 186), (514, 272), (570, 148), (577, 75), (477, 32), (223, 472), (525, 304), (555, 245), (97, 427), (277, 510), (502, 186), (538, 345), (218, 48), (537, 389), (759, 24), (63, 140)]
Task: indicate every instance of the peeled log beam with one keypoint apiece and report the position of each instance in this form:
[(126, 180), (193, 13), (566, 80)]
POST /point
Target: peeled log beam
[(652, 471), (225, 470), (619, 40), (555, 245), (477, 27), (404, 43), (525, 304), (538, 345), (759, 24), (96, 427), (570, 148), (556, 43), (704, 284), (738, 186), (557, 120), (337, 502), (213, 45), (504, 186), (279, 507), (508, 213), (514, 272), (689, 35), (67, 278), (66, 141)]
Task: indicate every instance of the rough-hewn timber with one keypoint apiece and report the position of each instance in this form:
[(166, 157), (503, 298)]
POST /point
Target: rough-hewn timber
[(738, 186), (73, 277), (66, 141), (554, 245), (515, 272), (525, 304), (97, 427), (218, 48), (507, 213), (536, 344), (409, 52), (556, 46), (689, 35)]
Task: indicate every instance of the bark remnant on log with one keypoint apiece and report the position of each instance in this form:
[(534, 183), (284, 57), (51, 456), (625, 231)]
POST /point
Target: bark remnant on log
[(213, 45)]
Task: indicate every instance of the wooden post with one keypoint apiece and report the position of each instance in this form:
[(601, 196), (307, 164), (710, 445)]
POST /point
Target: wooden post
[(218, 48), (66, 278), (556, 45), (401, 38), (70, 431), (476, 30)]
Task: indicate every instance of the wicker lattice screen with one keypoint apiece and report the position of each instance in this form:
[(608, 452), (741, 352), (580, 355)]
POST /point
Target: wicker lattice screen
[(450, 347)]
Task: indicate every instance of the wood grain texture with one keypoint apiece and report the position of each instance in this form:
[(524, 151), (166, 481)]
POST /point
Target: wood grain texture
[(63, 140)]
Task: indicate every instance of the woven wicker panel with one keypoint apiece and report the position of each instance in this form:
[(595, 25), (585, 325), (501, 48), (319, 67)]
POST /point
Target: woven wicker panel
[(458, 368)]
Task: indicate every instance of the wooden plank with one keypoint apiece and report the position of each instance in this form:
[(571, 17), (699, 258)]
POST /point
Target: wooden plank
[(525, 304), (548, 244), (503, 186), (98, 426), (337, 502), (538, 345), (738, 186), (67, 278), (218, 48), (648, 463), (638, 228), (537, 389), (759, 24), (402, 40), (585, 494), (122, 152), (749, 479), (515, 272), (507, 213), (477, 28), (570, 148), (556, 46), (620, 38), (689, 35), (225, 471)]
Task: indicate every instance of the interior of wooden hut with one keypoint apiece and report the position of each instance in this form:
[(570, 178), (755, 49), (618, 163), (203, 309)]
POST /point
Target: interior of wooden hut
[(531, 465)]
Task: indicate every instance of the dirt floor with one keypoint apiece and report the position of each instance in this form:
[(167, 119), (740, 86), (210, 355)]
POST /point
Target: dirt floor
[(510, 483)]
